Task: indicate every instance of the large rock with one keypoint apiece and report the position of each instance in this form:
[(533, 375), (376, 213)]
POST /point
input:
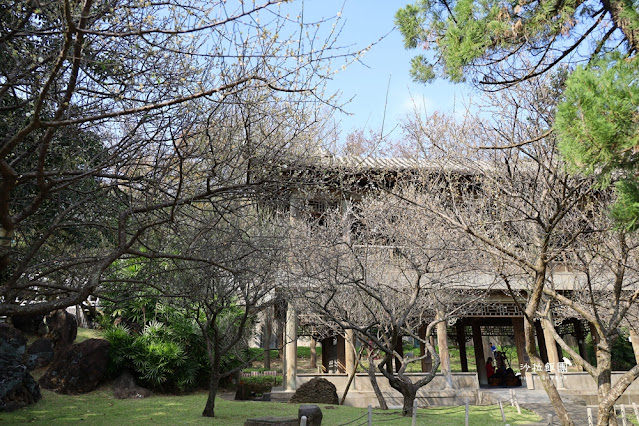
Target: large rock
[(77, 368), (318, 391), (32, 324), (124, 387), (17, 387), (39, 353), (312, 413), (13, 344), (62, 328)]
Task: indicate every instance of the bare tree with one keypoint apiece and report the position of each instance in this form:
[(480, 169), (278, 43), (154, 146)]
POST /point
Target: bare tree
[(224, 298), (100, 102), (603, 291), (511, 193), (218, 255), (383, 269)]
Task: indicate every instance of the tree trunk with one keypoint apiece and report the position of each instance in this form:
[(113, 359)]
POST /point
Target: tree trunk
[(409, 393), (214, 382), (531, 346), (621, 17), (351, 375), (371, 374), (268, 330), (605, 412)]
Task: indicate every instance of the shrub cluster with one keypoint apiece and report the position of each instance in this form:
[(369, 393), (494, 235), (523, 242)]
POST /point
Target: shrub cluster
[(166, 357), (168, 354)]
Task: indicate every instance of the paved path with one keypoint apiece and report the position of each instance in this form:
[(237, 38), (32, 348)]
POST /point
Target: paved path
[(537, 401)]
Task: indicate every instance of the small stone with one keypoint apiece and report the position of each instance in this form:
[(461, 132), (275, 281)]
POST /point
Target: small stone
[(125, 387)]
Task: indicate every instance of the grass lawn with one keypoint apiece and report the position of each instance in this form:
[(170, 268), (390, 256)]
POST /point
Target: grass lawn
[(99, 407), (88, 333)]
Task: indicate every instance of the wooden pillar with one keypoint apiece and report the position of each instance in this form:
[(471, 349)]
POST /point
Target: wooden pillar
[(480, 361), (520, 340), (268, 331), (279, 321), (341, 353), (461, 341), (349, 348), (541, 342), (291, 348), (634, 339)]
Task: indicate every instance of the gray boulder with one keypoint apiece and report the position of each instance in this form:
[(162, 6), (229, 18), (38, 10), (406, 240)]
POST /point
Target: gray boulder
[(39, 354), (62, 328), (17, 387)]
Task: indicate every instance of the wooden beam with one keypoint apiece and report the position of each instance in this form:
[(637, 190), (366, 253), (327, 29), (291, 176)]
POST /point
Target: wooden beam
[(461, 341), (520, 341), (480, 361)]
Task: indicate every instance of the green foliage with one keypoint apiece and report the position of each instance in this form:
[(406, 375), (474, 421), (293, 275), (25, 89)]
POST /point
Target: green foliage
[(263, 380), (257, 354), (121, 341), (409, 347), (625, 210), (167, 358), (170, 353), (305, 352), (597, 125), (624, 356), (499, 42)]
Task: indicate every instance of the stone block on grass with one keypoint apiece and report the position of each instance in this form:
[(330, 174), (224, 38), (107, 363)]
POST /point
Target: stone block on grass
[(313, 414)]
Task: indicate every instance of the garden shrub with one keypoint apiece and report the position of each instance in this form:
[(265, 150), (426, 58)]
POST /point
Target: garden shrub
[(305, 351), (170, 354), (624, 356), (160, 358)]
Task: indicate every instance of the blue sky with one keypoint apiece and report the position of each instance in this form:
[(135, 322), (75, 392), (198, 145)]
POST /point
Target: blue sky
[(365, 22)]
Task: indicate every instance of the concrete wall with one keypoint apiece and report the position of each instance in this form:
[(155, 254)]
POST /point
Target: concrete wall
[(361, 394), (582, 385)]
